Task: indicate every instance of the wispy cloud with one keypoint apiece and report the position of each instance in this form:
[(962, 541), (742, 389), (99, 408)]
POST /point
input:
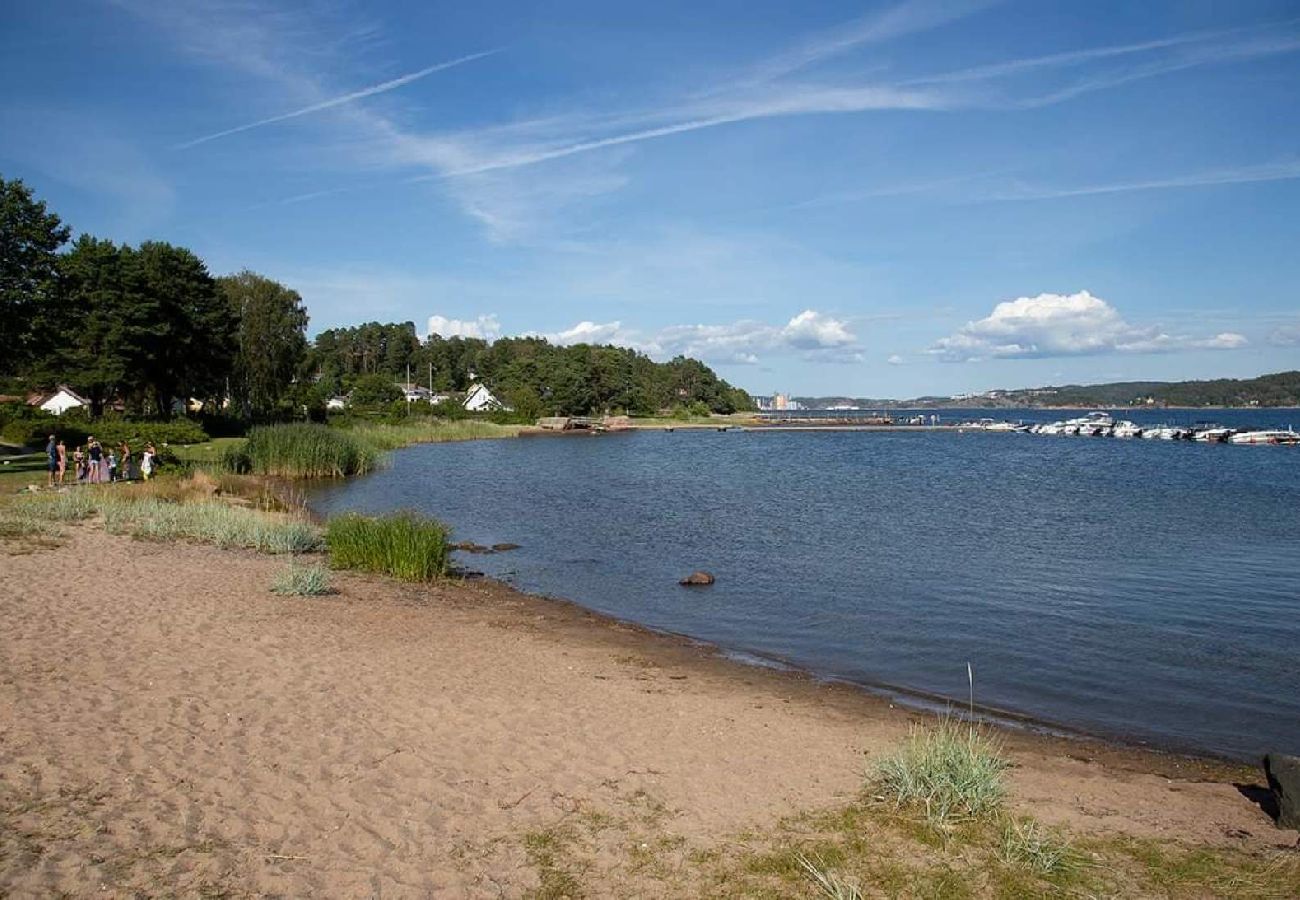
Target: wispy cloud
[(1281, 171), (382, 87)]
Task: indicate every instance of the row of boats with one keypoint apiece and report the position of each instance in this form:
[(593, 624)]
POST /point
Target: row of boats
[(1100, 424)]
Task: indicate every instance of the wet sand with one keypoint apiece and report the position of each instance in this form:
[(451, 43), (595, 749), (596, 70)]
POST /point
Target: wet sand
[(169, 726)]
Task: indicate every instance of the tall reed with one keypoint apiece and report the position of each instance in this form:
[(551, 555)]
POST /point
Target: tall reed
[(405, 545), (303, 451)]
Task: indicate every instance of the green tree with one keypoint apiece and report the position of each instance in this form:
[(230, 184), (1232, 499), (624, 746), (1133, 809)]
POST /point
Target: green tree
[(194, 343), (30, 238), (374, 390), (105, 341), (270, 339)]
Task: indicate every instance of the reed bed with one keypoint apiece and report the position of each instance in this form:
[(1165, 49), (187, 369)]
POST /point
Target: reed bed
[(302, 451), (406, 546), (385, 437), (953, 771)]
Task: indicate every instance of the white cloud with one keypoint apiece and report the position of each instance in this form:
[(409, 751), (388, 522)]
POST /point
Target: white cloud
[(1285, 336), (1226, 340), (1064, 325), (895, 360), (810, 334), (485, 327)]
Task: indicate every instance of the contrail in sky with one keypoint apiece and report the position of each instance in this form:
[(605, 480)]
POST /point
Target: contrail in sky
[(339, 101)]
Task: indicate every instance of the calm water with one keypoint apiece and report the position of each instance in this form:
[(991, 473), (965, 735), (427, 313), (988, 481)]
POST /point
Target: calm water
[(1147, 590)]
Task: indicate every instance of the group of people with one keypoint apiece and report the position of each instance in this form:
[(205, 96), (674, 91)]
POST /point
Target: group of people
[(92, 465)]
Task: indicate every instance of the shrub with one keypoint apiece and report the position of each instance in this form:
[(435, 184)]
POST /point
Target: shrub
[(32, 431), (405, 545), (954, 771), (302, 581), (303, 451)]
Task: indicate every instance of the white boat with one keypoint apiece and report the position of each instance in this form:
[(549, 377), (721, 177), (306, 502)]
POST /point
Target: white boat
[(1051, 428), (1267, 436), (1213, 435), (1127, 429), (1092, 425), (1002, 426), (1166, 433)]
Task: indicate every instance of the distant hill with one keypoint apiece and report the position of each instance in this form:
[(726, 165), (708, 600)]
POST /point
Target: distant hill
[(1279, 389)]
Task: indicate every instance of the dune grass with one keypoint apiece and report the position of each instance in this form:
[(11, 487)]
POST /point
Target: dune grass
[(302, 581), (1029, 843), (406, 546), (301, 451), (144, 514), (953, 771)]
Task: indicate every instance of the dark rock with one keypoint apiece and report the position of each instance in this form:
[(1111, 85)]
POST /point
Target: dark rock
[(471, 547), (697, 579), (502, 548), (1283, 774)]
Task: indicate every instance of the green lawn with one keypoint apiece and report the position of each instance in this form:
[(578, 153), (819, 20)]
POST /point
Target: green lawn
[(18, 468), (205, 453)]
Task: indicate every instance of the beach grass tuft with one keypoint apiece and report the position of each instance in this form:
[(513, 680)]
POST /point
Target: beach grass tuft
[(1026, 842), (404, 545), (828, 883), (302, 581), (302, 451), (953, 771)]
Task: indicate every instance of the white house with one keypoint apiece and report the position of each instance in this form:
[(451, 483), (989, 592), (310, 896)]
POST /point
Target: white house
[(62, 400), (480, 399)]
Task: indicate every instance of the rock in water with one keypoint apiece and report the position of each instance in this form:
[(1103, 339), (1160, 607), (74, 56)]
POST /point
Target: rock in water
[(697, 578), (502, 548), (471, 547), (1283, 774)]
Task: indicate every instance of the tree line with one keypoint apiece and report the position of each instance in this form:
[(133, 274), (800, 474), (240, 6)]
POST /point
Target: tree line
[(147, 328)]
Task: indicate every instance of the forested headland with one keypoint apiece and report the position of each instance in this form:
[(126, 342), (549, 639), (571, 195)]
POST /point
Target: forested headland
[(147, 331)]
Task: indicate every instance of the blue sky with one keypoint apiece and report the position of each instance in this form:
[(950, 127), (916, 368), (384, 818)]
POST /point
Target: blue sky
[(875, 199)]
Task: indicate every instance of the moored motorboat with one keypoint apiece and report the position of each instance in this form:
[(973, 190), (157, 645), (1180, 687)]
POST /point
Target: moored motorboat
[(1214, 434), (1266, 436), (1127, 429), (1094, 424)]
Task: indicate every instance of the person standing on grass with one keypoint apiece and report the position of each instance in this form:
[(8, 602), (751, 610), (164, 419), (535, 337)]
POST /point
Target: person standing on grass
[(126, 462), (112, 466), (96, 456), (78, 464), (146, 461), (51, 460), (63, 459)]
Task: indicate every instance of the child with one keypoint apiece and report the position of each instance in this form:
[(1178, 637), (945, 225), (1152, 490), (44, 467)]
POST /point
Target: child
[(112, 466), (146, 461), (63, 460), (79, 463)]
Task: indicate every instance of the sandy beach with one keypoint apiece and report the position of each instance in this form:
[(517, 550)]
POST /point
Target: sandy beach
[(169, 726)]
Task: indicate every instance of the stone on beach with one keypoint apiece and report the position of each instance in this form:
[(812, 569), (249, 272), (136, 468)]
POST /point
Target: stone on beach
[(697, 579), (1283, 774)]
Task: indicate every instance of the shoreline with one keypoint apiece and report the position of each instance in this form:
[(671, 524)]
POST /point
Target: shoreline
[(172, 726)]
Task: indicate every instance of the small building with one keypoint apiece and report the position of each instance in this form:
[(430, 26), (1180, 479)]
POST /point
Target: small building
[(480, 399), (335, 404), (60, 401)]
